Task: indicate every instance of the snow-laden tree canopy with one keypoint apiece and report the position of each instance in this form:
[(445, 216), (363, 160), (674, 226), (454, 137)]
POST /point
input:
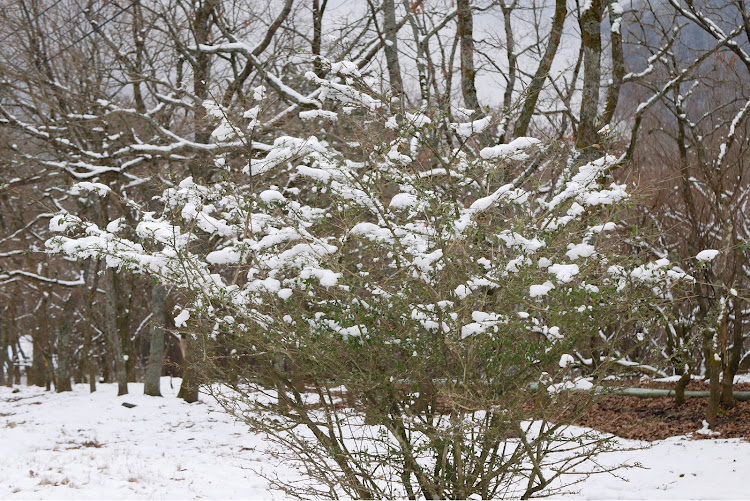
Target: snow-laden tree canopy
[(407, 221), (387, 260)]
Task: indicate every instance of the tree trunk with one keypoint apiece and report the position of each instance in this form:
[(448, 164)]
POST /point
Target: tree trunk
[(618, 64), (16, 365), (424, 88), (391, 47), (201, 75), (679, 390), (190, 382), (116, 361), (11, 341), (468, 73), (733, 364), (3, 350), (279, 366), (92, 374), (88, 356), (713, 366), (156, 349), (542, 71), (318, 9), (510, 52), (88, 361), (123, 303), (591, 38), (64, 333)]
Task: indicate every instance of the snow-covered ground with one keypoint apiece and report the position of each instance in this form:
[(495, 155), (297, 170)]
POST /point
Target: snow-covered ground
[(81, 445), (85, 446)]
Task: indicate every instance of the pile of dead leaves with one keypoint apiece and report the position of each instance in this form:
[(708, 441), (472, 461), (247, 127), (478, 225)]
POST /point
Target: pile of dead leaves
[(659, 418)]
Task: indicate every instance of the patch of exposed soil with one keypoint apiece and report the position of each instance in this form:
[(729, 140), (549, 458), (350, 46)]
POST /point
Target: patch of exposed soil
[(658, 418)]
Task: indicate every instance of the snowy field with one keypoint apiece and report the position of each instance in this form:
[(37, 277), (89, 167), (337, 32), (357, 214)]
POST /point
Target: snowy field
[(88, 446)]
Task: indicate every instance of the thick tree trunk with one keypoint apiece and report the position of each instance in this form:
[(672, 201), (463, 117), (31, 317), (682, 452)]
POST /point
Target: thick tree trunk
[(123, 284), (190, 381), (318, 9), (391, 47), (591, 38), (19, 360), (116, 361), (15, 370), (201, 75), (156, 350), (201, 72), (679, 390), (618, 63), (466, 36)]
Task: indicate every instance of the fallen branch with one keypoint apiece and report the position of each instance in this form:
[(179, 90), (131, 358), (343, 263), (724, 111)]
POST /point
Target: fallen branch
[(649, 392), (654, 393)]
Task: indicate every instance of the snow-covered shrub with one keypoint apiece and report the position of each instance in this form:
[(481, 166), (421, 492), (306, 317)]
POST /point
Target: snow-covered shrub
[(381, 301)]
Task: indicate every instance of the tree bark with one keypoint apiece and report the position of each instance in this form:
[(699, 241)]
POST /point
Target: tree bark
[(424, 88), (591, 38), (190, 381), (123, 304), (89, 360), (201, 75), (15, 368), (91, 363), (733, 364), (468, 72), (3, 349), (618, 64), (679, 390), (542, 71), (64, 333), (156, 350), (713, 366), (116, 361), (318, 9), (510, 51), (11, 334), (391, 47)]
